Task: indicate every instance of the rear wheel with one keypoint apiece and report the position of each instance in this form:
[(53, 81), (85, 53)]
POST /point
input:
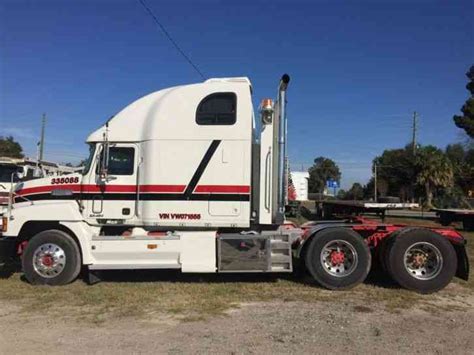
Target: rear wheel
[(421, 260), (51, 258), (338, 258)]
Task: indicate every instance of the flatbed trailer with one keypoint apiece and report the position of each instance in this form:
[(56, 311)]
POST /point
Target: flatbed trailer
[(450, 215), (328, 209)]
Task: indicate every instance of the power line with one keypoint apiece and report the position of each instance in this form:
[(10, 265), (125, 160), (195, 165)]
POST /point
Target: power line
[(142, 2)]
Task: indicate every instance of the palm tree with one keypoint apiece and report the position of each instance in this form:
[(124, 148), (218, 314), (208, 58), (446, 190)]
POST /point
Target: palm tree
[(434, 170)]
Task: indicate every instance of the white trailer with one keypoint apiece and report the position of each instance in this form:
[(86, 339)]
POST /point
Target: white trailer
[(300, 183), (181, 179)]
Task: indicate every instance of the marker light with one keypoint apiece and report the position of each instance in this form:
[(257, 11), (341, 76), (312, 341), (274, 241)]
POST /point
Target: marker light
[(266, 110), (4, 224)]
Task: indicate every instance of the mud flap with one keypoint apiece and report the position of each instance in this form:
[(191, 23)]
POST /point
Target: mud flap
[(92, 277), (463, 262)]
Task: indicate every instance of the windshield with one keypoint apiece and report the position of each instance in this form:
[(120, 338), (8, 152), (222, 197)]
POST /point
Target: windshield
[(88, 162), (6, 172)]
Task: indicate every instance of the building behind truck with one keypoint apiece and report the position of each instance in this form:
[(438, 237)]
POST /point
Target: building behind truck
[(300, 183), (181, 179)]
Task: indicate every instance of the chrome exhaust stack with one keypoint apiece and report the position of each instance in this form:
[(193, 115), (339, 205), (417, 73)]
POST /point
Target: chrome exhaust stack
[(282, 194)]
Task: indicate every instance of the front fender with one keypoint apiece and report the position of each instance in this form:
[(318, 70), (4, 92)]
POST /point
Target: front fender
[(61, 211), (83, 233)]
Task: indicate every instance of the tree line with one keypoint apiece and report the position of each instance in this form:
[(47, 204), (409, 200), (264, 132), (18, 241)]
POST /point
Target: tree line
[(425, 174)]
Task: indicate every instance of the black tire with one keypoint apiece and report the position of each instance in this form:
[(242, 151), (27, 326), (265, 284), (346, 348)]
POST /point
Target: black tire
[(324, 277), (382, 251), (407, 239), (71, 267)]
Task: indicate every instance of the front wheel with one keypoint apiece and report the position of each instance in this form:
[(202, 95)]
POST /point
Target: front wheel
[(338, 258), (51, 258), (421, 260)]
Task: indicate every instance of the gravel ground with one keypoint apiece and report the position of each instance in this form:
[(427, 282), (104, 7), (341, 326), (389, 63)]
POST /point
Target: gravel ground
[(263, 327)]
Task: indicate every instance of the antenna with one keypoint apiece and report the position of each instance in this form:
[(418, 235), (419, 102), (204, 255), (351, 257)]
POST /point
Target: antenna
[(41, 142)]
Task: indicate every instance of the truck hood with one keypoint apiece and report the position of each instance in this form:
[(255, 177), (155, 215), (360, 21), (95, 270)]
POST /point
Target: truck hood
[(48, 186)]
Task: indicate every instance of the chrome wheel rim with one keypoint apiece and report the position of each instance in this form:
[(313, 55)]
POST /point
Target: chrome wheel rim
[(49, 260), (423, 261), (339, 258)]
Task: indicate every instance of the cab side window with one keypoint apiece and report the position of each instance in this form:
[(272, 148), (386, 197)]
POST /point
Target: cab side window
[(218, 109), (121, 161)]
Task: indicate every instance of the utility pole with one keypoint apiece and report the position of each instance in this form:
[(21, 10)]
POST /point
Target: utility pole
[(375, 182), (413, 141), (41, 143)]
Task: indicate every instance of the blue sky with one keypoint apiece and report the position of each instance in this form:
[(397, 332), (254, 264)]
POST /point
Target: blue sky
[(359, 68)]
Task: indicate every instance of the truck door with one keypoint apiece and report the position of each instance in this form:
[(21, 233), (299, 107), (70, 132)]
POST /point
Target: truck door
[(116, 196)]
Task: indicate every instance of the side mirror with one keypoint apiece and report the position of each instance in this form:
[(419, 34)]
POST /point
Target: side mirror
[(18, 175), (104, 163)]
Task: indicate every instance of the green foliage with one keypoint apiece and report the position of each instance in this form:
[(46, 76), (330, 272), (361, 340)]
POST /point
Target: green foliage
[(462, 160), (455, 153), (396, 173), (369, 189), (322, 170), (341, 194), (466, 121), (10, 148), (433, 170), (451, 197), (356, 192), (429, 173)]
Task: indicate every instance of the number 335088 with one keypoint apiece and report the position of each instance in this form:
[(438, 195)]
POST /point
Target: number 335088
[(65, 180)]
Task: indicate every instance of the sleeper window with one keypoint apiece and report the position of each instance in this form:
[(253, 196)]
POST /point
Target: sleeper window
[(217, 109)]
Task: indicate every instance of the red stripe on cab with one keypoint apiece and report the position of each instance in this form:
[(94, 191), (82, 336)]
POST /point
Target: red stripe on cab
[(239, 189), (162, 188)]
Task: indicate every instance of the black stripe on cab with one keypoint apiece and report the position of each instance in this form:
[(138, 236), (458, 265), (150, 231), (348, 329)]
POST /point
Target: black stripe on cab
[(200, 170)]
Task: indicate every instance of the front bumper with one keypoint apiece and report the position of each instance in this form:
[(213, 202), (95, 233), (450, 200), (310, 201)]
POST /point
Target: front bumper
[(7, 250)]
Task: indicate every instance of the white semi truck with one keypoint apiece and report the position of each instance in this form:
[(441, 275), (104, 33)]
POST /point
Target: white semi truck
[(181, 179)]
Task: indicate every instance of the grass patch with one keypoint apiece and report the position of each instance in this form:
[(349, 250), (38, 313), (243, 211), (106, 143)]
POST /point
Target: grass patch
[(187, 298), (190, 297)]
